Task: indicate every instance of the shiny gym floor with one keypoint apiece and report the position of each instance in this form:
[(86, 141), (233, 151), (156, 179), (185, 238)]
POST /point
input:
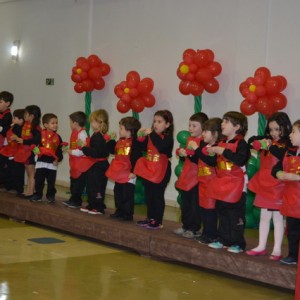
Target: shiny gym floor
[(37, 263)]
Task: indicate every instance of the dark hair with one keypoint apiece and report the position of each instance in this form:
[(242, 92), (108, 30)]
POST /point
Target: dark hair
[(36, 112), (297, 123), (78, 117), (168, 117), (47, 117), (19, 113), (214, 125), (199, 117), (237, 118), (131, 124), (7, 97), (283, 120)]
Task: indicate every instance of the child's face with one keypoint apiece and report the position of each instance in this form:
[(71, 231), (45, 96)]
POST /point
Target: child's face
[(52, 125), (228, 129), (275, 131), (195, 128), (159, 124), (209, 137), (28, 117), (123, 133), (74, 125), (4, 105), (295, 136), (96, 126), (18, 121)]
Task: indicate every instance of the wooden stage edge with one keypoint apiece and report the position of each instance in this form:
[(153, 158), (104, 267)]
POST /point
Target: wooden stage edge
[(162, 244)]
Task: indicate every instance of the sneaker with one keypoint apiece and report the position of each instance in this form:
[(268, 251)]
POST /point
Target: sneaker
[(143, 223), (50, 200), (116, 215), (179, 231), (35, 198), (189, 234), (289, 260), (154, 225), (216, 245), (204, 240), (127, 218), (67, 202), (74, 205), (95, 212), (235, 249), (85, 209)]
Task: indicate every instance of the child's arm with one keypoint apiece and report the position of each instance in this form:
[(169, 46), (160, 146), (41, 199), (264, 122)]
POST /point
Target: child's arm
[(59, 151), (278, 173), (207, 158), (35, 140), (98, 147), (5, 123), (163, 145), (82, 137)]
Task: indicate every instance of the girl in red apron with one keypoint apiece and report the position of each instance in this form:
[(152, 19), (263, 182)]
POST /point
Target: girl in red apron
[(229, 186), (121, 168), (268, 190), (188, 180), (288, 171), (155, 167)]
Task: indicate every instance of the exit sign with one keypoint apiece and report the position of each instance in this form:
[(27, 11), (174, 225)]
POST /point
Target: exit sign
[(49, 81)]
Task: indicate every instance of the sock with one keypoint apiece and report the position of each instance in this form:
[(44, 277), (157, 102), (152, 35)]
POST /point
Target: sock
[(278, 232)]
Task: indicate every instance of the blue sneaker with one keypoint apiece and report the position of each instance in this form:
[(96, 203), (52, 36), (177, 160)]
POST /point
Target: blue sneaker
[(235, 249), (216, 245)]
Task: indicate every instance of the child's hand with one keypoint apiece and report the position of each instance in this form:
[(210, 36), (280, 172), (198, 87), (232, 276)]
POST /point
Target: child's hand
[(192, 145), (215, 150), (55, 163), (19, 140), (132, 176), (181, 152), (80, 143), (13, 137), (69, 151), (36, 150)]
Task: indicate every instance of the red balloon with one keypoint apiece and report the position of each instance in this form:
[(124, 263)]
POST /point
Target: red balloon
[(148, 100), (259, 80), (105, 69), (74, 70), (78, 87), (250, 80), (99, 84), (263, 105), (193, 68), (211, 55), (188, 55), (279, 101), (273, 86), (122, 107), (133, 76), (119, 91), (196, 88), (211, 86), (76, 77), (260, 91), (215, 68), (282, 81), (94, 60), (137, 105), (126, 98), (145, 86), (80, 61), (133, 92), (247, 108), (201, 59), (84, 75), (123, 84), (95, 73), (190, 77), (88, 85), (251, 97), (184, 87), (263, 72), (243, 86), (203, 75), (180, 75)]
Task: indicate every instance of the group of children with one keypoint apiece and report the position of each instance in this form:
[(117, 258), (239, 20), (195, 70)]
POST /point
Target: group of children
[(213, 182)]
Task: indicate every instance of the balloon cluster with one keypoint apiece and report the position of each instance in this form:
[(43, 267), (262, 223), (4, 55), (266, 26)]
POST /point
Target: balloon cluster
[(88, 73), (197, 72), (134, 93), (262, 93)]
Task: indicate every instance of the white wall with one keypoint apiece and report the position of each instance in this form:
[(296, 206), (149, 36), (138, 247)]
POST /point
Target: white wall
[(149, 37)]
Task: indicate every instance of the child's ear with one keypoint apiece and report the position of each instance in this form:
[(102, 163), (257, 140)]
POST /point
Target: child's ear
[(237, 128), (168, 124)]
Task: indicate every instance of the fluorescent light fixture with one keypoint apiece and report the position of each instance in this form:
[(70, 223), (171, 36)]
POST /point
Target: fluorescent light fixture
[(15, 50)]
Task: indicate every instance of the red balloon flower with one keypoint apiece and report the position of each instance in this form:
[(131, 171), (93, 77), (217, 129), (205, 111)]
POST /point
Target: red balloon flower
[(197, 72), (134, 93), (88, 73), (262, 93)]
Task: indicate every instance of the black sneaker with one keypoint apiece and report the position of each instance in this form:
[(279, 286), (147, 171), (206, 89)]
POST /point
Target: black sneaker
[(143, 223), (289, 260), (154, 225), (35, 198), (204, 240), (116, 215), (67, 202), (74, 205), (50, 200)]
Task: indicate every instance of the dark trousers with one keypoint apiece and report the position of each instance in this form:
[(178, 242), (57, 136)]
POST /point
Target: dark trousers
[(190, 210), (232, 222), (293, 235), (15, 173), (77, 186), (42, 174), (210, 223), (96, 185), (124, 199)]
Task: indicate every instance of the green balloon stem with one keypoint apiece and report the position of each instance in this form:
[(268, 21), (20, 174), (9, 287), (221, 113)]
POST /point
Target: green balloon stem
[(262, 123), (198, 104), (135, 115), (88, 102)]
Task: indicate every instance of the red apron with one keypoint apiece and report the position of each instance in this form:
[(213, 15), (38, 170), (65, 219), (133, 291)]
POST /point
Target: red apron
[(2, 138), (50, 143), (12, 147)]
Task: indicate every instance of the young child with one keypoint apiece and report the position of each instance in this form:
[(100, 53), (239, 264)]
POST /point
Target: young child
[(155, 168), (288, 171), (6, 100), (30, 138), (121, 168), (212, 134), (97, 151), (188, 182), (229, 187), (269, 191), (49, 155), (77, 161), (14, 172)]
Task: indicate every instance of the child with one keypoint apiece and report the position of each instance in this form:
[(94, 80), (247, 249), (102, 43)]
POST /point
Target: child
[(14, 172), (269, 191), (288, 171), (49, 155), (30, 138), (188, 182), (77, 161), (212, 134), (230, 184), (97, 151), (155, 168), (6, 100), (121, 168)]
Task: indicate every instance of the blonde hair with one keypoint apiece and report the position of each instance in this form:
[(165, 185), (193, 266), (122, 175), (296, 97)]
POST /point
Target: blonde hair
[(100, 116)]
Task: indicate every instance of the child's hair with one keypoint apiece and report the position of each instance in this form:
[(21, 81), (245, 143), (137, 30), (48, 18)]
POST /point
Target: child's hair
[(297, 124), (36, 112), (7, 97), (237, 118), (47, 117), (101, 116), (199, 117), (19, 113), (131, 124), (168, 117), (214, 125), (283, 121), (78, 117)]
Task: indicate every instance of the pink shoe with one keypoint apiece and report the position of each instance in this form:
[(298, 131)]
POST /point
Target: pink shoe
[(256, 253), (275, 257)]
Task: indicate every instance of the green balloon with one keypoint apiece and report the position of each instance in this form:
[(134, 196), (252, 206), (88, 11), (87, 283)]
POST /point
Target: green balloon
[(178, 168), (139, 198), (250, 221), (249, 201), (252, 166), (182, 137), (179, 199)]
